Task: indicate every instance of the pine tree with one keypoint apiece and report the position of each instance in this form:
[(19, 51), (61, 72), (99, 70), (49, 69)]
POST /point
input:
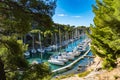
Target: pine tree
[(105, 39), (16, 19)]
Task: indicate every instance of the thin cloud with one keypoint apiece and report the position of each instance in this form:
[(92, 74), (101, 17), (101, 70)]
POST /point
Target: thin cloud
[(77, 16), (61, 15)]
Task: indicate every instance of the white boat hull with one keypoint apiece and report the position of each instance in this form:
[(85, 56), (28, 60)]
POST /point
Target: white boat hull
[(41, 50), (56, 62), (33, 51)]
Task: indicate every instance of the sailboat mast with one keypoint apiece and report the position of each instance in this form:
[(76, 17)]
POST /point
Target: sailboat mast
[(40, 40), (33, 41), (56, 41), (60, 39)]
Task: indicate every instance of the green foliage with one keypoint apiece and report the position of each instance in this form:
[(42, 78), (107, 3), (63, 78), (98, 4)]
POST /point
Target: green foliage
[(38, 72), (105, 36), (23, 13), (83, 74), (23, 46), (12, 56), (108, 63), (18, 17), (2, 50), (35, 31), (63, 76), (47, 32), (15, 64)]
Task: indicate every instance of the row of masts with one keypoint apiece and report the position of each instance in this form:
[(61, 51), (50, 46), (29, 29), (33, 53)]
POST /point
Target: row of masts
[(58, 40)]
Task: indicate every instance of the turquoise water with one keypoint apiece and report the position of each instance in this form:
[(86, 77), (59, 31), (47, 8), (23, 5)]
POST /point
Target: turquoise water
[(34, 59), (46, 56), (72, 45)]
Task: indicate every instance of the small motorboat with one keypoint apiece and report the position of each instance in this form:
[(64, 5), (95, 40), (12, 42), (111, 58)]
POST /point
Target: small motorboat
[(54, 47), (27, 54), (77, 53), (71, 54), (67, 56), (60, 58), (48, 49), (81, 49), (56, 62), (41, 50), (33, 51)]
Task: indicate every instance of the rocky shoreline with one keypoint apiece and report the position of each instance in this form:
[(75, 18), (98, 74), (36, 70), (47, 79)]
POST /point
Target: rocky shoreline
[(97, 73)]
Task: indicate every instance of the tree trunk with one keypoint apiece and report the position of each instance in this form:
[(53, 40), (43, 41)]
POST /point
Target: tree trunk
[(2, 72)]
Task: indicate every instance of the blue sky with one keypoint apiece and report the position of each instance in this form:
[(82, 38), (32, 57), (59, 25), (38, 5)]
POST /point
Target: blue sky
[(74, 12)]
